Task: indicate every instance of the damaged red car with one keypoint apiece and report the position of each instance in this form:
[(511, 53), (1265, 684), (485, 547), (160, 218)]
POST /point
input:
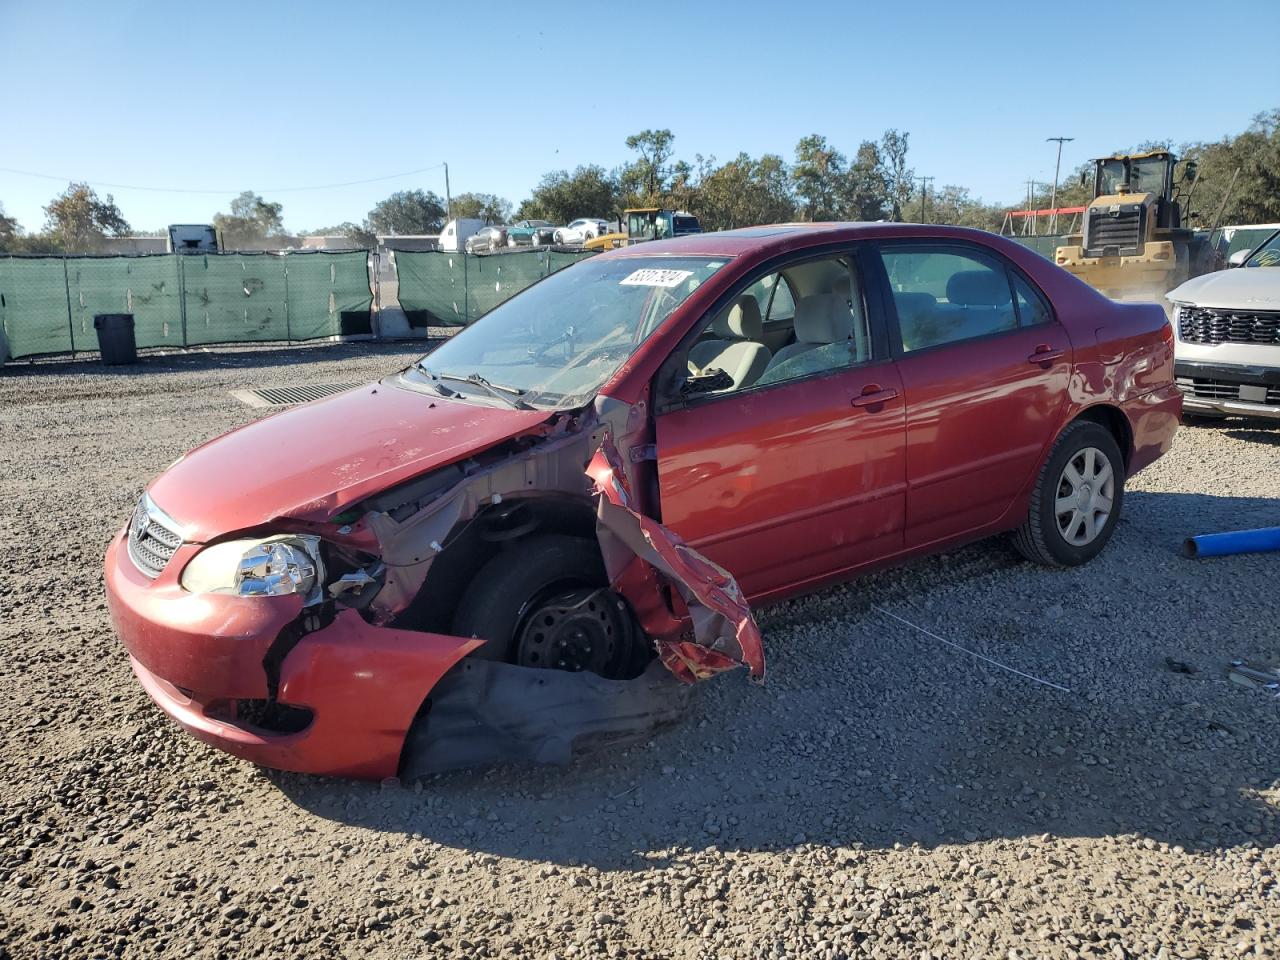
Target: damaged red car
[(538, 535)]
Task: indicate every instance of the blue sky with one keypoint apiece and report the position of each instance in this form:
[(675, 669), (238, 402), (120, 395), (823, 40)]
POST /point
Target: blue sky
[(225, 96)]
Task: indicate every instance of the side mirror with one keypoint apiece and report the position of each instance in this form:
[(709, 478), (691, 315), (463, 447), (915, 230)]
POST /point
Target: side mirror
[(708, 381), (1238, 258), (1084, 179), (1189, 172)]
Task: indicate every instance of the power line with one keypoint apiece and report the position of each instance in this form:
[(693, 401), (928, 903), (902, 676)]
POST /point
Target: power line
[(128, 186)]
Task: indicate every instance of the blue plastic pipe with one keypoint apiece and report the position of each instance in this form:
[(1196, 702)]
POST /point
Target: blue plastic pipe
[(1238, 541)]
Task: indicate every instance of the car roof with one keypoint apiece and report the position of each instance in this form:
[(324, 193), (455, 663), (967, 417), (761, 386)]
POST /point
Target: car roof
[(785, 236)]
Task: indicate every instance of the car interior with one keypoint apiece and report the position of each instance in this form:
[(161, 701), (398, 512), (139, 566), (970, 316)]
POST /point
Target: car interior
[(946, 296), (803, 320)]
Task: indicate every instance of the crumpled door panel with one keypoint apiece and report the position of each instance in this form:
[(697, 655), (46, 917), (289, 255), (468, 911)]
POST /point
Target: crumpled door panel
[(725, 634)]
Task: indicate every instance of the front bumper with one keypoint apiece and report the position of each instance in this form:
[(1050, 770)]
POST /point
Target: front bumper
[(1237, 390), (199, 656)]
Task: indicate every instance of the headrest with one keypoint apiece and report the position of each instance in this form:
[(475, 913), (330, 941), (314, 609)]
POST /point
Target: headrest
[(823, 318), (742, 321), (843, 289), (978, 288)]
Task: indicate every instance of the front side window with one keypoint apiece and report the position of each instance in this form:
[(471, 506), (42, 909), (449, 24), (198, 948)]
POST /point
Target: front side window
[(557, 342), (1267, 255), (824, 330), (947, 295)]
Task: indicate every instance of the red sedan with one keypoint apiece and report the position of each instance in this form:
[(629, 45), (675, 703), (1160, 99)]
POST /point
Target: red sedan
[(527, 539)]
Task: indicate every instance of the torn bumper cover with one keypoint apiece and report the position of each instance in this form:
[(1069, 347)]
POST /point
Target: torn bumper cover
[(347, 694)]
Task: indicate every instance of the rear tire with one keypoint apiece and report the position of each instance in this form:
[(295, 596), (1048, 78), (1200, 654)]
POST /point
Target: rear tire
[(544, 602), (1077, 498)]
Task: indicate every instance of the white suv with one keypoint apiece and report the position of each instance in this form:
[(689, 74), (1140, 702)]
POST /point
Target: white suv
[(1228, 337)]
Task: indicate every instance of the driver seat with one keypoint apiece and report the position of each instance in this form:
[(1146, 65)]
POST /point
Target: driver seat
[(739, 352)]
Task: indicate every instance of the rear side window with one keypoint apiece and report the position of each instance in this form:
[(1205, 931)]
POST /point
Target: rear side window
[(948, 294), (773, 293), (1033, 309)]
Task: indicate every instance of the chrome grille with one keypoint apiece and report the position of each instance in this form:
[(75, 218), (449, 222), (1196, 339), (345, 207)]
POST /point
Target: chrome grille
[(1208, 389), (153, 538), (1205, 325)]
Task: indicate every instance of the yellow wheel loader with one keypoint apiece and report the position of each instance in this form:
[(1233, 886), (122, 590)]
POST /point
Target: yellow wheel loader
[(647, 223), (1135, 244)]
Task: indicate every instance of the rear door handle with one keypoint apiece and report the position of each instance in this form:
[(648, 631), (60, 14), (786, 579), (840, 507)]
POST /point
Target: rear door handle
[(872, 395), (1045, 354)]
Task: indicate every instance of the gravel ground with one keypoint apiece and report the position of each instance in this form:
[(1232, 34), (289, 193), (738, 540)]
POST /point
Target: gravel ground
[(882, 795)]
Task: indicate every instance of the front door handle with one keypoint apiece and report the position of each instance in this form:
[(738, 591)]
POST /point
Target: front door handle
[(873, 394), (1045, 354)]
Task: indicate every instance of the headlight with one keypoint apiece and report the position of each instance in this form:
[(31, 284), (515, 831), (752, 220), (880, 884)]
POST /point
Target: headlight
[(270, 567)]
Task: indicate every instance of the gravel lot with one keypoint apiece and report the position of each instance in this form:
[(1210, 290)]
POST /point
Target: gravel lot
[(882, 795)]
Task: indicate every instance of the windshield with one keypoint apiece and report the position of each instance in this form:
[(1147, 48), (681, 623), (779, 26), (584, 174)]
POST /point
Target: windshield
[(1144, 176), (557, 342), (1267, 255), (640, 226)]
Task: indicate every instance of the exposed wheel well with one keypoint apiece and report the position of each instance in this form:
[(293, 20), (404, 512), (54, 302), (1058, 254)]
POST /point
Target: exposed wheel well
[(1116, 423), (474, 542)]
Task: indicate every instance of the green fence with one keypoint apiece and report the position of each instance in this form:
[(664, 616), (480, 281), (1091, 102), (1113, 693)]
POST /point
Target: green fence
[(47, 304), (453, 289)]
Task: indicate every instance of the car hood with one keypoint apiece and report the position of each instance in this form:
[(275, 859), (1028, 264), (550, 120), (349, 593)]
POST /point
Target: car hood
[(314, 461), (1242, 288)]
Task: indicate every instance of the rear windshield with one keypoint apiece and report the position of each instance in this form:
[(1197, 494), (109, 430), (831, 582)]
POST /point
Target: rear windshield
[(557, 342)]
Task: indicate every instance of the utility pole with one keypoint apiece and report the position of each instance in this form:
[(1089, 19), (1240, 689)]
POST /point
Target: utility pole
[(924, 192), (1031, 199), (448, 203), (1053, 217)]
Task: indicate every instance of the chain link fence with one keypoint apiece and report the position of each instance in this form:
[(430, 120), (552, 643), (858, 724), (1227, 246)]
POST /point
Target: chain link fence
[(47, 304)]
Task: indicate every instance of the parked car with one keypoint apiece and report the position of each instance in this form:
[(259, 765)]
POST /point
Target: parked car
[(417, 573), (456, 233), (525, 233), (1228, 337), (581, 230), (486, 240)]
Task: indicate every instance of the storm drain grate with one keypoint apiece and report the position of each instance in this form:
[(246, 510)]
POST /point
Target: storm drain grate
[(286, 396)]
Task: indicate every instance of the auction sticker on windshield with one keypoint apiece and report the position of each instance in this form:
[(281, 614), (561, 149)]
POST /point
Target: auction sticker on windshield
[(654, 277)]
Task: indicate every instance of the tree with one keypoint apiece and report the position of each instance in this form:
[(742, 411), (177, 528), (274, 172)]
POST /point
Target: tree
[(645, 180), (818, 174), (561, 196), (77, 219), (407, 213), (745, 192), (480, 206), (9, 232), (251, 223), (865, 191), (358, 235), (1255, 195), (954, 205), (899, 178)]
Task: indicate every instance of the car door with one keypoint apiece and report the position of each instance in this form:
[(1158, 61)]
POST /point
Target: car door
[(801, 474), (985, 368)]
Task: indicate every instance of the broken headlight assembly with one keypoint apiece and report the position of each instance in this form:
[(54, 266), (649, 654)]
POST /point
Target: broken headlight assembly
[(268, 567)]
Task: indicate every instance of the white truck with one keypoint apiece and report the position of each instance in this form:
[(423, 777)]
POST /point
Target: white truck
[(456, 232)]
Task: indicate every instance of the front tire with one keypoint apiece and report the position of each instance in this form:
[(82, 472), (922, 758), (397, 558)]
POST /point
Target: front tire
[(545, 603), (1077, 498)]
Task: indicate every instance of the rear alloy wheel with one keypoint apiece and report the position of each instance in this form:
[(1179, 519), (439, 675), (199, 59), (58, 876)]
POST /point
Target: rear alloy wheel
[(545, 603), (1076, 502)]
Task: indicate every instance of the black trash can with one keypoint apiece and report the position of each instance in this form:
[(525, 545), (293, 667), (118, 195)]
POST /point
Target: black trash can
[(115, 337)]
